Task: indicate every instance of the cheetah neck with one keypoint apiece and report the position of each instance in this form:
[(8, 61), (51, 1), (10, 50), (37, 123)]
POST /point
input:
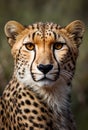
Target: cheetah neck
[(56, 99), (57, 96)]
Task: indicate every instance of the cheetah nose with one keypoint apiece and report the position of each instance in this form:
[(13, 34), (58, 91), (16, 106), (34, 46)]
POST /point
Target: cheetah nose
[(45, 68)]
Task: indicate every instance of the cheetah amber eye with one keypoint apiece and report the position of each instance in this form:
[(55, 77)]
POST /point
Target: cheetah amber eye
[(58, 45), (30, 46)]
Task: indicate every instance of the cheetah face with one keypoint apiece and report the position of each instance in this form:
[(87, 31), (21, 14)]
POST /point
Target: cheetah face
[(44, 53), (45, 67)]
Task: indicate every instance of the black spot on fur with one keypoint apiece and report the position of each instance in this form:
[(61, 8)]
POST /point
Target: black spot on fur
[(34, 111), (26, 110), (28, 102)]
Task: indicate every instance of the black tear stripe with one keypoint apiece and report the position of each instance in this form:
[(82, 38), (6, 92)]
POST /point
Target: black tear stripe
[(56, 61), (32, 64)]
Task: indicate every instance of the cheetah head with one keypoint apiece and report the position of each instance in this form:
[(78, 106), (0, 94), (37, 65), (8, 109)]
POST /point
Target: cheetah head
[(44, 53)]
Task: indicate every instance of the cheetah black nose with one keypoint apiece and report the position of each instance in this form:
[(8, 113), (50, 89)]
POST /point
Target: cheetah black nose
[(45, 68)]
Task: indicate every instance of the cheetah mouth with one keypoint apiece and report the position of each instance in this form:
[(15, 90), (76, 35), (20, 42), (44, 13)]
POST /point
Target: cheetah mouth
[(47, 77)]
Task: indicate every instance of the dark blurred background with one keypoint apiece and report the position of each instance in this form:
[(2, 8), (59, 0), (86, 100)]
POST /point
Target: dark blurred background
[(58, 11)]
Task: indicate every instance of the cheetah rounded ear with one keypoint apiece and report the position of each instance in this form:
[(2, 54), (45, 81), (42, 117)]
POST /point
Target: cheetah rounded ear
[(12, 29), (76, 29)]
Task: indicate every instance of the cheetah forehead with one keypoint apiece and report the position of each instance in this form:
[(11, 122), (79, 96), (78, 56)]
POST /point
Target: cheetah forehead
[(44, 26), (44, 30)]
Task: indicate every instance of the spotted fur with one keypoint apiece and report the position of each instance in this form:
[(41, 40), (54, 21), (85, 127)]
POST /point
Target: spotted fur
[(38, 95)]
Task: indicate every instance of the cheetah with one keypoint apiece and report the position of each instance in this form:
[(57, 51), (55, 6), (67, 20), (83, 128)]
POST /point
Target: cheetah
[(38, 96)]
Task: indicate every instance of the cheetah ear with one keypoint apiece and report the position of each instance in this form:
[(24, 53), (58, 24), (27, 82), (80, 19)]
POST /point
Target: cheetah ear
[(12, 29), (76, 29)]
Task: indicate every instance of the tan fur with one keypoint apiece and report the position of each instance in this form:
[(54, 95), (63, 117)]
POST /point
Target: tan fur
[(38, 95)]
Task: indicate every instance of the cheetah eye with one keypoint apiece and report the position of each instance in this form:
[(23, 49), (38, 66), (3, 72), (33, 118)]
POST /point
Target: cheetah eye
[(30, 46), (58, 45)]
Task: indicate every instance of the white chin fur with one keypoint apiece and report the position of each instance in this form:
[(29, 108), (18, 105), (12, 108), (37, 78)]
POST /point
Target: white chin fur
[(45, 83)]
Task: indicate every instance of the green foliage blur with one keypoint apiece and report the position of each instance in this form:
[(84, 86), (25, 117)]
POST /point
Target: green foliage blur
[(58, 11)]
